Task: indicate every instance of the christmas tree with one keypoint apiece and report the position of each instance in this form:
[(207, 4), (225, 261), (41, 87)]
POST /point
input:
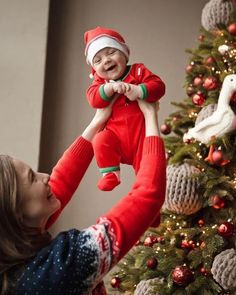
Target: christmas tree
[(193, 251)]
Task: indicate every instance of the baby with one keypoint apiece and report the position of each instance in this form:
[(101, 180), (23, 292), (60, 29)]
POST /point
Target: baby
[(122, 139)]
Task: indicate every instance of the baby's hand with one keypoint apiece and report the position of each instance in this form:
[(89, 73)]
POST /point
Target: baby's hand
[(133, 92), (119, 87)]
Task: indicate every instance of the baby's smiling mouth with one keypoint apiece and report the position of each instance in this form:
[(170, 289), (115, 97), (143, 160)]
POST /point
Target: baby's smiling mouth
[(110, 68)]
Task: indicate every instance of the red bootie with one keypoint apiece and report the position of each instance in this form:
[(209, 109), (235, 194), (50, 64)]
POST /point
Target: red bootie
[(108, 182)]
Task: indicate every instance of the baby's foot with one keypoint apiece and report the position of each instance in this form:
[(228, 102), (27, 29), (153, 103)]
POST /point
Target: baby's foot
[(108, 182)]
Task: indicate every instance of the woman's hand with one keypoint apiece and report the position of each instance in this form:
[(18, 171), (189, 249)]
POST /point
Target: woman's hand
[(148, 108), (98, 122), (102, 115)]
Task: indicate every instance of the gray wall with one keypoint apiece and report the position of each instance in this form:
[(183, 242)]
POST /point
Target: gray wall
[(157, 31), (23, 35)]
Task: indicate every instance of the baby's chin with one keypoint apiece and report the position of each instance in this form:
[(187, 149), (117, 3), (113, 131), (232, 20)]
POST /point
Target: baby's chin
[(113, 76)]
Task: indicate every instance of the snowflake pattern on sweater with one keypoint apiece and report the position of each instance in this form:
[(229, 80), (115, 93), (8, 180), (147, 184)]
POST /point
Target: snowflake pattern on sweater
[(74, 263)]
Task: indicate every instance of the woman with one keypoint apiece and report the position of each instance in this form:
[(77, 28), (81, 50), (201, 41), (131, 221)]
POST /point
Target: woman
[(74, 262)]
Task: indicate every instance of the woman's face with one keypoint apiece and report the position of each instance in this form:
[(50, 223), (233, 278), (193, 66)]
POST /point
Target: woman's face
[(36, 199)]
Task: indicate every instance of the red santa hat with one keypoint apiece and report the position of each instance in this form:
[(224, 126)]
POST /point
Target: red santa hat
[(99, 38)]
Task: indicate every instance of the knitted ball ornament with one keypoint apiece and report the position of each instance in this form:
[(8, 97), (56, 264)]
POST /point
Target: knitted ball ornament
[(100, 38), (181, 192), (224, 269), (145, 286), (205, 112), (216, 12)]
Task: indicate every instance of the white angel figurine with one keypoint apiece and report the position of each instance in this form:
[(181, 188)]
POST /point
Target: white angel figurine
[(223, 119)]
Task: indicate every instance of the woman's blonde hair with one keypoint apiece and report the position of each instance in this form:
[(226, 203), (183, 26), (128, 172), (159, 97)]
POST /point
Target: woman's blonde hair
[(18, 243)]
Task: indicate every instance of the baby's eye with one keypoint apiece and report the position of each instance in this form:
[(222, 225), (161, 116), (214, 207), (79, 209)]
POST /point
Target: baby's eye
[(96, 60), (111, 51)]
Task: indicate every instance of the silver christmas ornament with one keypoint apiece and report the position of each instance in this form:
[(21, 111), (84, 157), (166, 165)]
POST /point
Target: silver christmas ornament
[(145, 286), (216, 12), (224, 269), (181, 193)]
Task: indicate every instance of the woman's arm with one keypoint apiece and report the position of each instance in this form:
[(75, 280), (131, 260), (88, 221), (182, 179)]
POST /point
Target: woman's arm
[(98, 122), (150, 112), (120, 228), (70, 169)]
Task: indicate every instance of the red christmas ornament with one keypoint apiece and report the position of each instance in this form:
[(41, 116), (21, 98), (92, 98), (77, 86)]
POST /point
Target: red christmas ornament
[(189, 69), (204, 271), (201, 38), (182, 275), (192, 245), (186, 244), (137, 243), (165, 129), (203, 245), (150, 241), (217, 157), (176, 118), (232, 29), (201, 222), (217, 202), (209, 61), (115, 282), (226, 229), (160, 240), (152, 263), (197, 81), (190, 91), (210, 83), (198, 98), (188, 141)]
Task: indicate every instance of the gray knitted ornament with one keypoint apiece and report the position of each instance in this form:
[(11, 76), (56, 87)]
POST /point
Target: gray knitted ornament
[(181, 191), (205, 113), (145, 286), (224, 269), (216, 12)]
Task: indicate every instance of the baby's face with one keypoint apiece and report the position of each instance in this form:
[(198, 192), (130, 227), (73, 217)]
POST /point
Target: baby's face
[(110, 63)]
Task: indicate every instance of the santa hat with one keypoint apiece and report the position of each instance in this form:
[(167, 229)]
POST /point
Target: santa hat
[(99, 38)]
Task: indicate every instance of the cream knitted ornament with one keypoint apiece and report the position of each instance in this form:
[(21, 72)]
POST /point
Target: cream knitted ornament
[(216, 12), (145, 286), (224, 269), (181, 192), (205, 113)]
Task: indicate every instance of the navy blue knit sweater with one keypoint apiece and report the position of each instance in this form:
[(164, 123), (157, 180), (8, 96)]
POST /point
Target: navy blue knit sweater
[(71, 264)]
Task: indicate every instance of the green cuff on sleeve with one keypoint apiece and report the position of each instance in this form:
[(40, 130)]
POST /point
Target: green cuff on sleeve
[(103, 94), (109, 169), (144, 91)]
